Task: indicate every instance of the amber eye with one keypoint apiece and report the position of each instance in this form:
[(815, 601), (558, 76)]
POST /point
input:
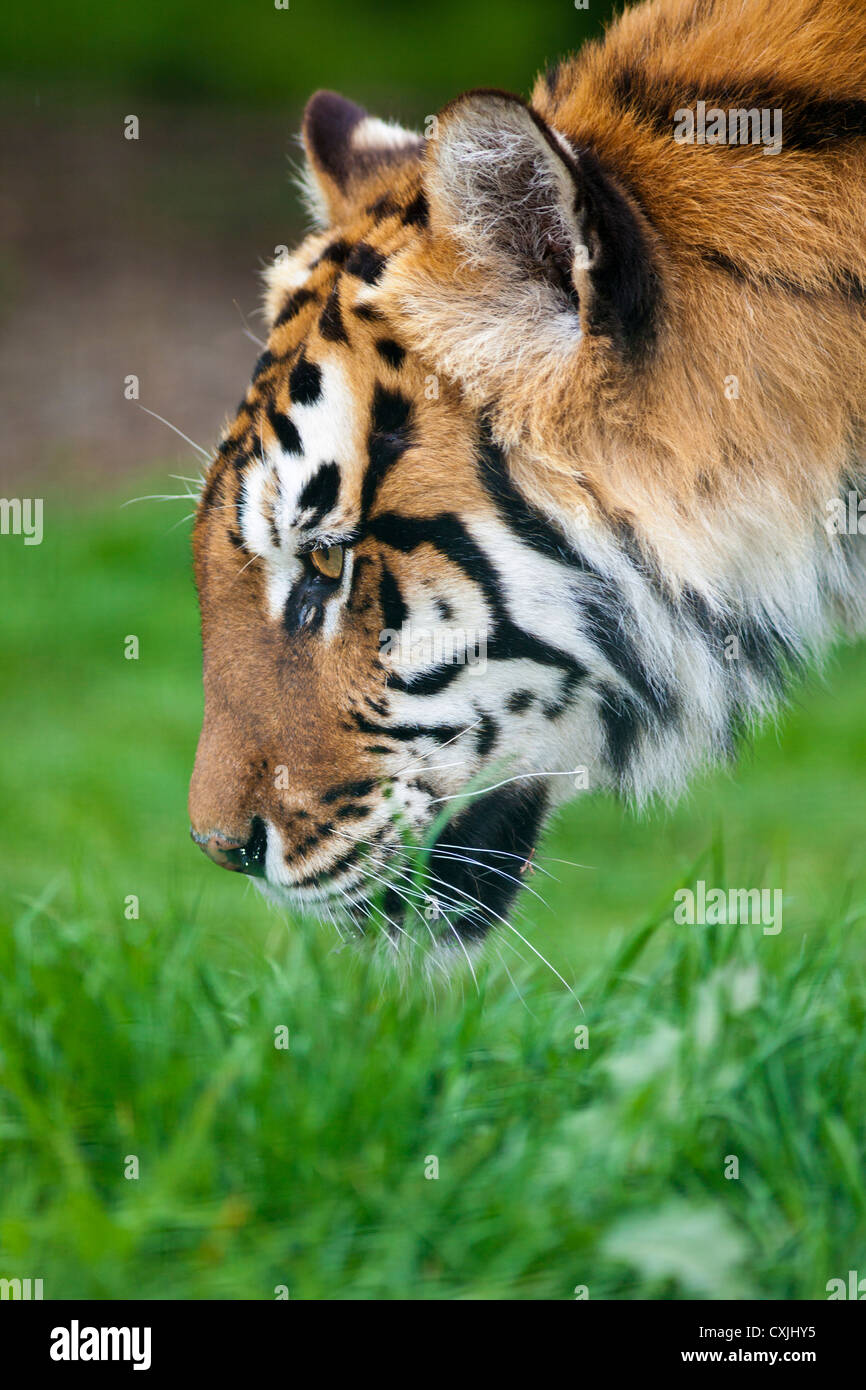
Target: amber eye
[(328, 561)]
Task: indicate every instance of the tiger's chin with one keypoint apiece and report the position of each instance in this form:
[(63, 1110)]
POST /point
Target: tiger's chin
[(478, 862), (473, 872)]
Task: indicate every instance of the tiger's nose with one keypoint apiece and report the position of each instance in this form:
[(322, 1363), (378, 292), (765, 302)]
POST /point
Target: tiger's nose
[(248, 858)]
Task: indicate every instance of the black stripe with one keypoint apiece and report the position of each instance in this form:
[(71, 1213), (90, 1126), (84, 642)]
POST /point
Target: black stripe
[(394, 610), (603, 619), (425, 682), (394, 615), (845, 281), (601, 603), (405, 733), (336, 253), (345, 861), (390, 435), (554, 709), (486, 735), (528, 523), (383, 207), (322, 829), (391, 352), (240, 502), (771, 652), (365, 262), (447, 534), (331, 324), (417, 213), (320, 492), (331, 870), (520, 700), (285, 430), (810, 120), (305, 381), (209, 496), (622, 723), (262, 363), (292, 305), (349, 790)]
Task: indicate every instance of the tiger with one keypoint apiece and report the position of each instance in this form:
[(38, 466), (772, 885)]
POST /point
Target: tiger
[(550, 477)]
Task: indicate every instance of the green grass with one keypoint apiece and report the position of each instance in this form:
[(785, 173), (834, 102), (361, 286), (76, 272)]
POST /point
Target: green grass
[(261, 1167)]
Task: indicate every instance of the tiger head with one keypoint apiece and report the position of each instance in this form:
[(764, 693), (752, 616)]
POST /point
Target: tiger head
[(382, 624), (468, 545)]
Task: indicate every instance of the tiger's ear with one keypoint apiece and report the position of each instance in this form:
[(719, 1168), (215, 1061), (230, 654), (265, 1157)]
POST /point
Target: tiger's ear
[(536, 213), (347, 150)]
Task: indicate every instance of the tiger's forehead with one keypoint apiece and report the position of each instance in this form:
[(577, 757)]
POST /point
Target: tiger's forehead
[(339, 422), (311, 385), (329, 354)]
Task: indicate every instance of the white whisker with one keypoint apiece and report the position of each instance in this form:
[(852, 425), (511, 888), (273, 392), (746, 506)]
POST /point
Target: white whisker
[(404, 893), (511, 927), (453, 739), (491, 868), (504, 853), (161, 497), (334, 923), (255, 556), (246, 328), (204, 453), (518, 777), (469, 897)]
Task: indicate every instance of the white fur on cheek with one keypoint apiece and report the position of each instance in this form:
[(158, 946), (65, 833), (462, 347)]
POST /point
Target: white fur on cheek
[(255, 530), (327, 425)]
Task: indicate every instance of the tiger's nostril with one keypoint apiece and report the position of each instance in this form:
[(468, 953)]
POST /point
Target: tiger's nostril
[(233, 854), (251, 856)]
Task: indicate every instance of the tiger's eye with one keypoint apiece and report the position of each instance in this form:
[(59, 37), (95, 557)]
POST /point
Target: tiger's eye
[(328, 560)]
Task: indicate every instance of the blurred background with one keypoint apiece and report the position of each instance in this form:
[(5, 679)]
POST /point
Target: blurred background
[(139, 987), (141, 256)]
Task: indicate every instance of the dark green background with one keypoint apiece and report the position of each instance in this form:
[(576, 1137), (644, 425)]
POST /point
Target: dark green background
[(228, 51)]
